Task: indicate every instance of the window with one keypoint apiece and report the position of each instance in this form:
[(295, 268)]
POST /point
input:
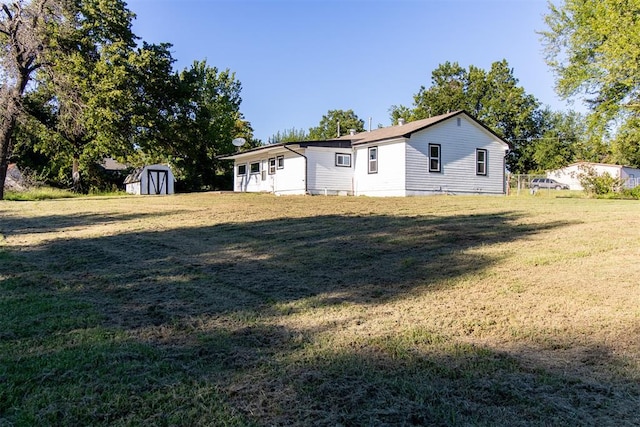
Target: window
[(254, 167), (343, 160), (481, 162), (242, 170), (373, 160), (280, 162), (434, 157), (272, 166)]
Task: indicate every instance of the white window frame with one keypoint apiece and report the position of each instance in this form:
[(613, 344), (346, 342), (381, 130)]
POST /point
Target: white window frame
[(272, 165), (372, 163), (481, 163), (340, 160), (280, 162), (251, 167), (438, 158), (244, 167)]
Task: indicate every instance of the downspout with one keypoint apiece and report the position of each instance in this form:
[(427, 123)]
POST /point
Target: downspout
[(306, 168)]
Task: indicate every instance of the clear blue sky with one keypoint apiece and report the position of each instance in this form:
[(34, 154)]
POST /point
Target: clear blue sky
[(297, 59)]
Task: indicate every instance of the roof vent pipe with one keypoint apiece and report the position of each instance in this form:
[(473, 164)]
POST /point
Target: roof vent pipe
[(400, 121), (352, 132)]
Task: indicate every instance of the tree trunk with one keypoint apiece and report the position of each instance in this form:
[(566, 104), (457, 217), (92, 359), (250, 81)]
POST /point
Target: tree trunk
[(75, 174), (6, 133)]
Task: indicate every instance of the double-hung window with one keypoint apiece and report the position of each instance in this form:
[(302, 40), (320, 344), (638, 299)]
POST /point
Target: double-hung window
[(280, 162), (481, 162), (434, 158), (272, 166), (254, 167), (343, 160), (373, 159), (242, 170)]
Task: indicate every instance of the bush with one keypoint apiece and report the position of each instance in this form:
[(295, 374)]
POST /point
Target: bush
[(598, 185)]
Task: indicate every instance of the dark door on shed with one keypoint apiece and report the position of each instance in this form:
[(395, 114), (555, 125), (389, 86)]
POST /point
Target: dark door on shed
[(157, 181)]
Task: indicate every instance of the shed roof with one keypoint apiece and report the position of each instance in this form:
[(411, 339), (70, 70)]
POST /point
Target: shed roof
[(136, 174)]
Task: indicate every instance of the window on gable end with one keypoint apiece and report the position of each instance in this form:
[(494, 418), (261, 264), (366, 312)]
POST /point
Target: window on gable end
[(434, 158), (481, 162)]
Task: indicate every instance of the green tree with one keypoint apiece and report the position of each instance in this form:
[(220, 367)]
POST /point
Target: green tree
[(493, 97), (336, 123), (561, 141), (207, 119), (593, 47), (626, 146), (89, 84), (289, 135), (24, 44)]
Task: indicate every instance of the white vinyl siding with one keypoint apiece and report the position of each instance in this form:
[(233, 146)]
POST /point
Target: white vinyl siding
[(457, 160), (323, 174), (390, 179), (481, 162), (287, 179)]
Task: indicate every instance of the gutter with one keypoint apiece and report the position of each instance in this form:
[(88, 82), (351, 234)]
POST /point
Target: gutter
[(306, 168)]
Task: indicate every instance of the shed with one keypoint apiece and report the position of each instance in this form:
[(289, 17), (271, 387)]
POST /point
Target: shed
[(151, 179)]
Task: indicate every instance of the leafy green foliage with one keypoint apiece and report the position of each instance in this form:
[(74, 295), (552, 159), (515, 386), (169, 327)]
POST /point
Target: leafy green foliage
[(493, 97), (289, 135), (598, 184), (336, 123), (593, 47)]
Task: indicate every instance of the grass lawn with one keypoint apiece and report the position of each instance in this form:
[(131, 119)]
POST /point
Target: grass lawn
[(226, 309)]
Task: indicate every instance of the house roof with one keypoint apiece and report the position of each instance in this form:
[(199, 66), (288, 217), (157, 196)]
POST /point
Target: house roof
[(376, 135), (332, 143), (407, 129)]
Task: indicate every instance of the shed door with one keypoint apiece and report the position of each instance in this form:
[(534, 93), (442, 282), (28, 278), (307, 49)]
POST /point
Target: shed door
[(157, 181)]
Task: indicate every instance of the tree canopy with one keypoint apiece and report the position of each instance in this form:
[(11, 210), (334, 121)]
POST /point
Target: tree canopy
[(593, 47), (493, 96), (336, 123), (93, 92)]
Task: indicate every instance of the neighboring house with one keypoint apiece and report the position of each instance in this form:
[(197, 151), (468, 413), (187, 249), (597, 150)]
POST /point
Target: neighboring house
[(570, 175), (152, 179), (452, 153)]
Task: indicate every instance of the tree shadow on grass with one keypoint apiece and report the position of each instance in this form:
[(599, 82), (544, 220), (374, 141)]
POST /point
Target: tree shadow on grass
[(152, 277), (155, 287)]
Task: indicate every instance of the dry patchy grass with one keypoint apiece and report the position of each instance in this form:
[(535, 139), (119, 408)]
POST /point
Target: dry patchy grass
[(254, 309)]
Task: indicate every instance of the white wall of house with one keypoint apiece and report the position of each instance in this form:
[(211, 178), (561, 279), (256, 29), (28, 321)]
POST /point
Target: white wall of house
[(325, 176), (291, 178), (458, 139), (390, 177), (288, 179)]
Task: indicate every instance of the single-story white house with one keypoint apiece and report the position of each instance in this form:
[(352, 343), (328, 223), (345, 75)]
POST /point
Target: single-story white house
[(570, 175), (448, 154), (151, 179)]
